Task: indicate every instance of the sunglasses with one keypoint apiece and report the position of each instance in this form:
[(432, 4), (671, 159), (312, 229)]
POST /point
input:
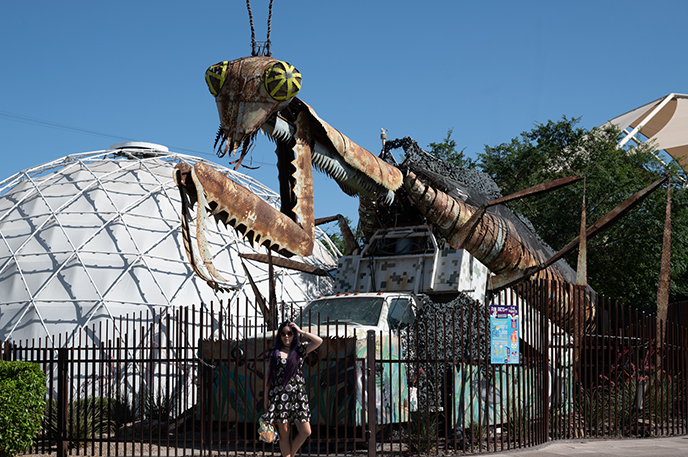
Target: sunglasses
[(287, 333)]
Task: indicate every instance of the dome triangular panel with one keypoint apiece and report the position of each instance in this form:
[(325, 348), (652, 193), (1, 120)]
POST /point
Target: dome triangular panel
[(97, 235)]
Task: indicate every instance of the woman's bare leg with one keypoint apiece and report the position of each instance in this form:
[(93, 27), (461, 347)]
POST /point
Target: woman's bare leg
[(284, 441), (304, 431)]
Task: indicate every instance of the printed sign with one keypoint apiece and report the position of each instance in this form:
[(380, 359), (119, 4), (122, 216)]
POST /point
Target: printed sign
[(504, 334)]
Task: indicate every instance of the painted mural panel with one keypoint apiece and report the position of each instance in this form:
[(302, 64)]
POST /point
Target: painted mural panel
[(480, 398), (334, 377), (507, 392)]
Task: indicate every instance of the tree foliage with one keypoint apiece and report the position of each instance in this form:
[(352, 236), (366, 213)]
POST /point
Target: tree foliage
[(446, 150), (623, 261)]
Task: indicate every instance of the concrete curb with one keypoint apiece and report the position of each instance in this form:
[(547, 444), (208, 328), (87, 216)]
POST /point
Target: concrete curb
[(647, 447)]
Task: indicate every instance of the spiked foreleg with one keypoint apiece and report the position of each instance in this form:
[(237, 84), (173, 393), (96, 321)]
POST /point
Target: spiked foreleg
[(303, 186), (236, 206)]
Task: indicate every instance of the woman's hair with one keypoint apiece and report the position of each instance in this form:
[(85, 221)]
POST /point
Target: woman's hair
[(293, 360)]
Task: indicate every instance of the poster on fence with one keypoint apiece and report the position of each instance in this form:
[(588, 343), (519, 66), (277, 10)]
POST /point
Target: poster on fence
[(504, 334)]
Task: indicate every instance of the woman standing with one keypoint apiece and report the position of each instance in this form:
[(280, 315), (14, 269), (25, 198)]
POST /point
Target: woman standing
[(287, 399)]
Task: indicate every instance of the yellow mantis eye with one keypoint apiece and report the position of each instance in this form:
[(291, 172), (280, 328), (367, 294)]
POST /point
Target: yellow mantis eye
[(282, 81), (215, 77)]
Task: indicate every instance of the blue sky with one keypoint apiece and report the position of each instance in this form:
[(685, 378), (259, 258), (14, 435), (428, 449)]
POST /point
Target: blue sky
[(490, 70)]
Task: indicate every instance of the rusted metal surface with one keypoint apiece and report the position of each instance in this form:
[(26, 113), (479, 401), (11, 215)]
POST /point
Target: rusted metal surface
[(303, 188), (604, 222), (243, 102), (465, 231), (326, 220), (187, 190), (286, 263), (265, 309), (582, 269), (537, 189), (610, 218), (370, 165), (245, 212), (664, 267), (562, 311), (494, 241), (350, 243), (245, 106)]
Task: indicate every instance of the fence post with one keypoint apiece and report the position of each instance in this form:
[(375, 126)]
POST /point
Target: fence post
[(5, 350), (544, 335), (62, 394), (372, 400), (207, 420)]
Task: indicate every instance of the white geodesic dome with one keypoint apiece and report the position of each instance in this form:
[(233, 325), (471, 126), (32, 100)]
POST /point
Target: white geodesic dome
[(97, 235)]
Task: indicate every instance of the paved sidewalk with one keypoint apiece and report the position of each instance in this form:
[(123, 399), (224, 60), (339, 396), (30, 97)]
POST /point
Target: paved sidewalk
[(648, 447)]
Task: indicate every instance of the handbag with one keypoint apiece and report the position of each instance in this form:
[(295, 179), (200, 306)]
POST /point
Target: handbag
[(266, 431)]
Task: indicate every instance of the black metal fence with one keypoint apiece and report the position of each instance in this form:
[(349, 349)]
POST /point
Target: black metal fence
[(189, 381)]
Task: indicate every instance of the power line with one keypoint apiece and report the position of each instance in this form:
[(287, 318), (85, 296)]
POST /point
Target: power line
[(55, 125), (35, 121)]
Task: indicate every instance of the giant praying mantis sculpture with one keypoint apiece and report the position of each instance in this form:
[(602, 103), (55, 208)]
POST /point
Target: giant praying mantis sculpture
[(255, 93)]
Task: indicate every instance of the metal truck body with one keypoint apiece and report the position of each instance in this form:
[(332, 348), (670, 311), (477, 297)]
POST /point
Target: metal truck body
[(334, 372)]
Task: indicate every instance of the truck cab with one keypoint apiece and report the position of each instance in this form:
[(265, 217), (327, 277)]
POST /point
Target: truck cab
[(382, 312), (334, 372)]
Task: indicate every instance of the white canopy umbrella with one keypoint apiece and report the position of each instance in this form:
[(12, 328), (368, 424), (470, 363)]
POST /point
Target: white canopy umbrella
[(665, 121)]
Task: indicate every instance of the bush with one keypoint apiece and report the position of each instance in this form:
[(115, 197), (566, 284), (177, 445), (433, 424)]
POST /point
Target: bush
[(631, 407), (22, 402), (422, 434)]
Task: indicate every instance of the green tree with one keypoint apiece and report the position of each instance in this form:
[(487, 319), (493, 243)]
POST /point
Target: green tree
[(446, 150), (623, 261)]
